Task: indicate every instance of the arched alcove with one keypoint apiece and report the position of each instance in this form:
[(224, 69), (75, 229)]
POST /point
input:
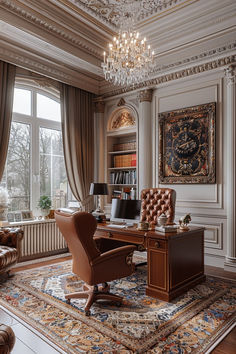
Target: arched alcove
[(121, 118)]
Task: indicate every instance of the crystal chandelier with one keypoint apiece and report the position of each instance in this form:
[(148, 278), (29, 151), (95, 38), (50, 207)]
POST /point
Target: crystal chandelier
[(129, 59)]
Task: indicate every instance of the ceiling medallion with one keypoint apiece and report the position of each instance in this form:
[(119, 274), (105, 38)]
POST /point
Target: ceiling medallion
[(129, 59)]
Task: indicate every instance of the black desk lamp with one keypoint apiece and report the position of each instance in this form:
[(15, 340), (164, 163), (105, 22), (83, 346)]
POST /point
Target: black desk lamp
[(98, 189)]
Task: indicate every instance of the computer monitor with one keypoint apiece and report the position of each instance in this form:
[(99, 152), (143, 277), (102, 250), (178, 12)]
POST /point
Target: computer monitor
[(125, 211)]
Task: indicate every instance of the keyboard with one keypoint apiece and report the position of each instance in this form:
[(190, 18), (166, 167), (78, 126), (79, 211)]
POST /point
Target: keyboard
[(117, 226)]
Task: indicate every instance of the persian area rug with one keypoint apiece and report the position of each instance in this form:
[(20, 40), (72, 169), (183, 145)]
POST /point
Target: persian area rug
[(190, 323)]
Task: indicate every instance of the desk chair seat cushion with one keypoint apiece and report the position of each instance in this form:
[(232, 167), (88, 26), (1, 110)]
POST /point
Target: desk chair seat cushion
[(156, 201)]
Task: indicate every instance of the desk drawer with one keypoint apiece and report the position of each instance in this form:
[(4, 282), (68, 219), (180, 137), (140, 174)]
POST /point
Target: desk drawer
[(157, 244), (136, 239)]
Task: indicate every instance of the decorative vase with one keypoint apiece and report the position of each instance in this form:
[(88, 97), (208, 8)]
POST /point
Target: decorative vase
[(45, 212), (162, 220), (3, 211)]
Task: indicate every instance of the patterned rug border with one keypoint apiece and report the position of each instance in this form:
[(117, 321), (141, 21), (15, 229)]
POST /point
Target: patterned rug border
[(37, 326), (124, 339), (133, 344), (225, 330)]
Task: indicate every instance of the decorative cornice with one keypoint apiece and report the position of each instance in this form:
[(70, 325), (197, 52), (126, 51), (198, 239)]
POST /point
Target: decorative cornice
[(121, 102), (51, 28), (188, 61), (230, 74), (99, 105), (110, 12), (145, 95), (177, 75), (50, 69)]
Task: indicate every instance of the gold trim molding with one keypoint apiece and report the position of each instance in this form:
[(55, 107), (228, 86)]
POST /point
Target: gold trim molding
[(145, 95), (197, 69), (230, 74)]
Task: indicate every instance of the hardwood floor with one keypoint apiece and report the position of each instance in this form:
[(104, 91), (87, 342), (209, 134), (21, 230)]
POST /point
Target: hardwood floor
[(28, 341), (228, 344)]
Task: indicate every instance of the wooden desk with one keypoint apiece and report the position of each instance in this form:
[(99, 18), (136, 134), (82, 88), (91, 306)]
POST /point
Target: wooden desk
[(175, 260)]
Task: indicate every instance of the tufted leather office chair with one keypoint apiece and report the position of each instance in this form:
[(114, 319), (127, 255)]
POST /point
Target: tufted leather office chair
[(156, 201), (93, 266)]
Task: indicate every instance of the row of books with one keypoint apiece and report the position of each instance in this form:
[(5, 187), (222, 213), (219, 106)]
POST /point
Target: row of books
[(131, 145), (125, 193), (123, 177), (125, 160)]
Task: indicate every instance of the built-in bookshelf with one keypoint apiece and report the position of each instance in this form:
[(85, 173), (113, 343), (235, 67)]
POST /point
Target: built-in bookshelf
[(122, 164)]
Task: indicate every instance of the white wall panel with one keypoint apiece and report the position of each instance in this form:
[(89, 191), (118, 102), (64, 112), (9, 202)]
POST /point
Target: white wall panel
[(204, 201)]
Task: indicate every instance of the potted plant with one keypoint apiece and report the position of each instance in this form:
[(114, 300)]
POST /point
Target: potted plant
[(44, 204), (4, 200)]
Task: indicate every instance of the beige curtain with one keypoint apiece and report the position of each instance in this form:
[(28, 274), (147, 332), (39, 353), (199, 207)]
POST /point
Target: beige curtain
[(78, 141), (7, 81)]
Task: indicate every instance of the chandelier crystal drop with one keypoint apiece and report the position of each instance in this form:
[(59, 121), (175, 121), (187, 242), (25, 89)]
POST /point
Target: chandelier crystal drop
[(129, 59)]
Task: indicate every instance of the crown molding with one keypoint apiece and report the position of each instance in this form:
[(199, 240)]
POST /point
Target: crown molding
[(209, 54), (48, 68), (190, 71), (83, 37)]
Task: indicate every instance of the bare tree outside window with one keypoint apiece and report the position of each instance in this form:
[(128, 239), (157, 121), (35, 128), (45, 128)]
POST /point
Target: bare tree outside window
[(17, 172), (35, 162)]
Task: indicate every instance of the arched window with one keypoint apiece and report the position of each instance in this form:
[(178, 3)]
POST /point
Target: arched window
[(35, 162)]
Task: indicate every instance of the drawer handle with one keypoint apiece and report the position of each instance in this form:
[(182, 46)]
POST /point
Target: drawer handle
[(157, 244), (109, 234)]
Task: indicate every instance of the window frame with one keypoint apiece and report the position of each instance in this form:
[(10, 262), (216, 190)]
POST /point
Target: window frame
[(35, 124)]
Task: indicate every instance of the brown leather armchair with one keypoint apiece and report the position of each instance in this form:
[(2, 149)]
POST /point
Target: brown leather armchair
[(93, 266), (156, 201), (10, 247)]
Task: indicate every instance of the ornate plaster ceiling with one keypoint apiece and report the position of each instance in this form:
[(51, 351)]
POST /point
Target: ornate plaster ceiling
[(111, 12), (65, 39)]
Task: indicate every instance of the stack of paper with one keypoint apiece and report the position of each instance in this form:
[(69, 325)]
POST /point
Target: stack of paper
[(167, 228)]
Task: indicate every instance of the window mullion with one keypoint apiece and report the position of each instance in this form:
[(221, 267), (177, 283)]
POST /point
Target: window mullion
[(35, 158)]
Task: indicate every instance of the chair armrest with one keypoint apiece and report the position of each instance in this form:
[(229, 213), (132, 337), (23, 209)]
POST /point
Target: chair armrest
[(11, 237), (117, 252)]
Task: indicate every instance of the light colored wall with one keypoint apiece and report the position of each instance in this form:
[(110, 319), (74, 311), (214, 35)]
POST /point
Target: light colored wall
[(205, 202)]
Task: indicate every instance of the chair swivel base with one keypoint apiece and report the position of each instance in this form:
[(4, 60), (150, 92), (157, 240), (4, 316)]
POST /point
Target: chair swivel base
[(94, 293)]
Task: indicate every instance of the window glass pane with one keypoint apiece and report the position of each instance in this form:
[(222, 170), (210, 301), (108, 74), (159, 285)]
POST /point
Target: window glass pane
[(53, 180), (22, 101), (17, 171), (48, 108)]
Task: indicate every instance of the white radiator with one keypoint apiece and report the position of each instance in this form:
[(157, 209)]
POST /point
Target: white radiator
[(41, 238)]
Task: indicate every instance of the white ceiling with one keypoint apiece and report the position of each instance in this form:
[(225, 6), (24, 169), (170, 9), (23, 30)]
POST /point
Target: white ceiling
[(65, 39)]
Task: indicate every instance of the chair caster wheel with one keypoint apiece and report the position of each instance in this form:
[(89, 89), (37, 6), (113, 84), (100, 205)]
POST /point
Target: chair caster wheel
[(87, 313), (68, 301)]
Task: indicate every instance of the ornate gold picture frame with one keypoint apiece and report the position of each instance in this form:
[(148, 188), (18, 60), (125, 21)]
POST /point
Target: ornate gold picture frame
[(187, 145)]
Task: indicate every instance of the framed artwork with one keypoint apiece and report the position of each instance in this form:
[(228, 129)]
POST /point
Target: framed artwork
[(17, 216), (187, 145), (27, 215), (11, 217)]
